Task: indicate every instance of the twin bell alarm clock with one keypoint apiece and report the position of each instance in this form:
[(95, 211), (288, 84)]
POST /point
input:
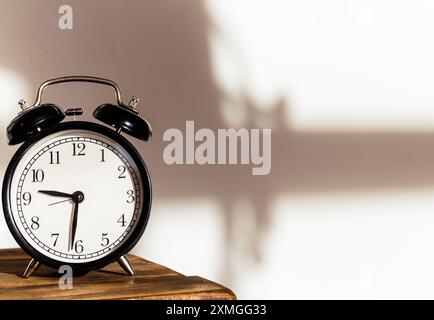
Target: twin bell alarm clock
[(77, 193)]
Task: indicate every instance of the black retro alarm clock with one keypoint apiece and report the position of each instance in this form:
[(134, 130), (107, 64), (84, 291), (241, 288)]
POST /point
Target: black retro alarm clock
[(77, 193)]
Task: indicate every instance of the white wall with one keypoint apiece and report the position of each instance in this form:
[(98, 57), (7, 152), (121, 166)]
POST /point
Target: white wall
[(344, 67), (347, 87)]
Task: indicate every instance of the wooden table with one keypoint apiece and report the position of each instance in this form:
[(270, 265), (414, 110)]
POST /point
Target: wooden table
[(152, 281)]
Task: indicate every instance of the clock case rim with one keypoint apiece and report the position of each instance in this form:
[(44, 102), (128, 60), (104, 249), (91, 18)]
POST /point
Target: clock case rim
[(130, 242)]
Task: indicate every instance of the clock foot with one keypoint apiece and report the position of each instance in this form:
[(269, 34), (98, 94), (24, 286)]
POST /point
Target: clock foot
[(31, 267), (126, 265)]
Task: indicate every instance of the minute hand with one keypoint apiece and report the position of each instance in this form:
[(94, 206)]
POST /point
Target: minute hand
[(73, 226), (56, 193)]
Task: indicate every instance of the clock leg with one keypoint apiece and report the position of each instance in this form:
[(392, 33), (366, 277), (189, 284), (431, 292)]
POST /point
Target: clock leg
[(31, 267), (126, 265)]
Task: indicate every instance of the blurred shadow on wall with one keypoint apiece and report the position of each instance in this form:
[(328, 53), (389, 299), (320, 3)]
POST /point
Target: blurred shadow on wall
[(159, 51)]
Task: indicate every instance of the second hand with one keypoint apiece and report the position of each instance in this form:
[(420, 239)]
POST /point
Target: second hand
[(51, 204)]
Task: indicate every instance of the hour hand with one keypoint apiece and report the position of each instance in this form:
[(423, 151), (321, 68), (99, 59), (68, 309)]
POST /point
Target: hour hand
[(56, 193)]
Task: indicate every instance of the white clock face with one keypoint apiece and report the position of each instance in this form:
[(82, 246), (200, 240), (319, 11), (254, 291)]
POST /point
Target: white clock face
[(106, 205)]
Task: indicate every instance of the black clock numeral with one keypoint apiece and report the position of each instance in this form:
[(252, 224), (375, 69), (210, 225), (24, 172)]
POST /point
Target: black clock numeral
[(35, 223), (56, 237), (122, 170), (104, 240), (131, 197), (102, 155), (122, 221), (78, 149), (54, 157), (78, 247), (38, 175), (27, 198)]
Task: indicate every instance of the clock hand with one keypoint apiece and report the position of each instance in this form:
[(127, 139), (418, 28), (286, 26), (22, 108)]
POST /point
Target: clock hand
[(77, 197), (53, 203), (74, 225), (56, 193)]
